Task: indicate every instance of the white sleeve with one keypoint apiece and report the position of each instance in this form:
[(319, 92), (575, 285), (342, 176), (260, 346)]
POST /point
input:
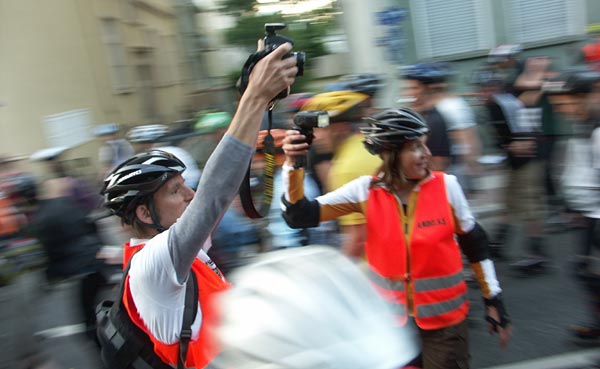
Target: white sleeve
[(459, 204), (105, 155), (158, 296), (596, 148), (457, 113)]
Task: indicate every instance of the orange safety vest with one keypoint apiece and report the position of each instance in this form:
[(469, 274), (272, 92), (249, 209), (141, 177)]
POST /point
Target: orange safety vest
[(591, 52), (9, 218), (419, 270), (202, 350)]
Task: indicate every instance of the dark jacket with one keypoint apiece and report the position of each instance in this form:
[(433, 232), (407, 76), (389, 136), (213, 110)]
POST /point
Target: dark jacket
[(70, 241)]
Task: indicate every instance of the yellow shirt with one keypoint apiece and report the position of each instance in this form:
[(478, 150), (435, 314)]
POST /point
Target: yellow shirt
[(351, 160)]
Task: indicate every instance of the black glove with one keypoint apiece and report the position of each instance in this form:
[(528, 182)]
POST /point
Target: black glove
[(496, 302)]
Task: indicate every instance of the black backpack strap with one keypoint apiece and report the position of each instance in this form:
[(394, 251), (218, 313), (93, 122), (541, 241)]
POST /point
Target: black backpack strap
[(189, 313), (126, 346)]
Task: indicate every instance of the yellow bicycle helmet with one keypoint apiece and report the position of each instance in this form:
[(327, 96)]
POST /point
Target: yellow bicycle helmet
[(340, 105)]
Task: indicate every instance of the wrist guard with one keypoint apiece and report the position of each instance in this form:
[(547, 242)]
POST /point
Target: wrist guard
[(496, 302), (302, 214)]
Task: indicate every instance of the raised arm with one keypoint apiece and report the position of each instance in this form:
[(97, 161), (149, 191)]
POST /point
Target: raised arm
[(226, 167)]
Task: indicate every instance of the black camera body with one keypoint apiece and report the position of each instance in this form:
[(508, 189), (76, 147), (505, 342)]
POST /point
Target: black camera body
[(273, 41), (305, 122)]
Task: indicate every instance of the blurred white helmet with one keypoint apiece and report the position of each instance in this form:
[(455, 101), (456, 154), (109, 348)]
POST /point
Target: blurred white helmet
[(147, 133), (106, 129), (304, 308), (504, 52)]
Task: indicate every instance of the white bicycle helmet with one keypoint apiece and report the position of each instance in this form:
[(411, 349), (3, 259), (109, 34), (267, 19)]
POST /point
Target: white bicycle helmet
[(147, 133), (308, 308), (106, 129)]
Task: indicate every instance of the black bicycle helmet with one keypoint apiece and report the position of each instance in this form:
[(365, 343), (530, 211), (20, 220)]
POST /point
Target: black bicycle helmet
[(387, 130), (426, 73), (572, 81), (136, 178), (365, 83)]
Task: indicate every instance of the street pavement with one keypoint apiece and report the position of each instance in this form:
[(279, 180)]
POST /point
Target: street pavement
[(541, 307)]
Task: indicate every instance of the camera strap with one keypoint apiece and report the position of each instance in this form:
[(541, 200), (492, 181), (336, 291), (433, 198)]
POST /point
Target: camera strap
[(268, 174), (247, 69)]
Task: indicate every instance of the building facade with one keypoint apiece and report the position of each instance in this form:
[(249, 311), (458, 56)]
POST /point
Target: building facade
[(386, 34), (67, 66)]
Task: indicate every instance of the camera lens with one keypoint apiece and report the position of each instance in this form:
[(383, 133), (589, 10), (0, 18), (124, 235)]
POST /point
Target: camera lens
[(300, 59)]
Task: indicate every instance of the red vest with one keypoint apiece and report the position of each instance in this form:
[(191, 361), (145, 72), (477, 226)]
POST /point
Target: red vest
[(591, 52), (418, 271), (202, 350)]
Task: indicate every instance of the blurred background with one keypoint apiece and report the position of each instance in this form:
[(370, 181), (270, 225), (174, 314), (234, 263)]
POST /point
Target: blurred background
[(68, 66)]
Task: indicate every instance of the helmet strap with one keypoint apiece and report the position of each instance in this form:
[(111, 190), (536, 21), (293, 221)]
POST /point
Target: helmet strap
[(154, 216)]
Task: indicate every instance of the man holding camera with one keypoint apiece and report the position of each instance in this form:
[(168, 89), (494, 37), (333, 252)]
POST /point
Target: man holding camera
[(171, 225), (349, 158)]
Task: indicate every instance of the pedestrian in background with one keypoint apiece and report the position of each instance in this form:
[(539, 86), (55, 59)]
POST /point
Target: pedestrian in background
[(523, 197), (113, 149), (59, 220), (453, 141), (155, 136), (574, 94), (349, 159)]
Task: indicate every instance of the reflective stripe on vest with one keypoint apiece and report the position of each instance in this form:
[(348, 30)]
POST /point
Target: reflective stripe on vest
[(385, 283), (431, 310), (424, 267), (438, 283), (392, 292), (422, 285)]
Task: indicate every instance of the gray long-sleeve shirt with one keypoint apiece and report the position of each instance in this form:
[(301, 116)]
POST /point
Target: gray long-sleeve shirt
[(218, 185)]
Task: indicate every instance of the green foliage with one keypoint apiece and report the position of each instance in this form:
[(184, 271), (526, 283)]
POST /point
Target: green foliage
[(249, 29), (233, 6), (305, 32)]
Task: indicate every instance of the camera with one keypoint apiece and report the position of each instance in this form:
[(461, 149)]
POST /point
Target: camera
[(273, 40), (305, 122)]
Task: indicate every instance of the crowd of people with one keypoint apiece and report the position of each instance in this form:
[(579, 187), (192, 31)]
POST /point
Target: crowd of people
[(388, 188)]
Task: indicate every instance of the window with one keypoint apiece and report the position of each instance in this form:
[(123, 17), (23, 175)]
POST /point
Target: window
[(172, 58), (543, 20), (68, 129), (447, 27), (148, 102), (117, 60), (161, 50), (128, 11)]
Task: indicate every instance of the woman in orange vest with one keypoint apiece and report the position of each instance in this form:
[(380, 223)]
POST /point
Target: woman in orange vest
[(418, 222), (172, 226)]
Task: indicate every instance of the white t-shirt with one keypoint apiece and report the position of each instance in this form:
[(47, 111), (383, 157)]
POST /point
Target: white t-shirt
[(596, 148), (456, 113), (162, 310)]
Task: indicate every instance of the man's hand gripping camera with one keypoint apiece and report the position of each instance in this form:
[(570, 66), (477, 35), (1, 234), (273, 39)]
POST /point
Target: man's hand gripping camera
[(272, 41)]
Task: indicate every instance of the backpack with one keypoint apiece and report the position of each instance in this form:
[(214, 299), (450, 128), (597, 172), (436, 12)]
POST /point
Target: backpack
[(125, 346)]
